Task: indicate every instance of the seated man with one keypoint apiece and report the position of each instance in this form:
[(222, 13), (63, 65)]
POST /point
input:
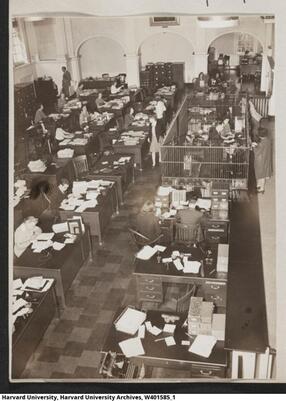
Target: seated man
[(147, 223), (192, 217), (25, 234)]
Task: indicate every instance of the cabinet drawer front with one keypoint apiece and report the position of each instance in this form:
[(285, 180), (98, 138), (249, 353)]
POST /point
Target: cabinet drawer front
[(157, 287), (150, 296), (218, 300), (217, 227), (213, 287), (149, 280), (207, 371)]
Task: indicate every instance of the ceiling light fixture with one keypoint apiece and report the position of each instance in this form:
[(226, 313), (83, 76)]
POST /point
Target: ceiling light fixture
[(217, 22)]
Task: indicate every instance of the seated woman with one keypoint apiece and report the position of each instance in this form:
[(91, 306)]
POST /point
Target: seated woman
[(84, 116), (128, 118), (99, 101), (40, 114), (25, 234), (147, 223)]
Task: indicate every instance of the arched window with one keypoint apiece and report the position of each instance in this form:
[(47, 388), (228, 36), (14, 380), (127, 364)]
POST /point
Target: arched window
[(18, 45)]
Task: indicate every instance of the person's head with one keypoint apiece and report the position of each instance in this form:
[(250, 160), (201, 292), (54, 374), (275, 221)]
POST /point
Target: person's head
[(226, 121), (157, 98), (217, 75), (201, 75), (30, 222), (38, 188), (99, 96), (84, 109), (64, 184), (148, 207), (40, 106), (63, 69), (63, 96)]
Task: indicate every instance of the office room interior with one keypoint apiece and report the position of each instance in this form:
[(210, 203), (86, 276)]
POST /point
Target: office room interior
[(143, 195)]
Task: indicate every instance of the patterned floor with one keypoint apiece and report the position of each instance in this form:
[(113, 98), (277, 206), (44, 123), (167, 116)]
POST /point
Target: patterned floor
[(71, 345)]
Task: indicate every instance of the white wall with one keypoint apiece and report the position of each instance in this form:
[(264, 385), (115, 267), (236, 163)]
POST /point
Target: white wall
[(46, 40), (164, 47), (99, 55)]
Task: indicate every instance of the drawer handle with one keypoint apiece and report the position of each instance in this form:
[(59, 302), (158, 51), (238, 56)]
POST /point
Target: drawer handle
[(209, 373), (150, 288), (215, 297), (150, 280), (215, 287), (215, 226), (150, 296)]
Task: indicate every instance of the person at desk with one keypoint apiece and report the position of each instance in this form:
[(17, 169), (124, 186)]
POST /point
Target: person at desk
[(27, 232), (129, 117), (79, 90), (156, 138), (66, 82), (115, 88), (147, 223), (99, 101), (160, 110), (201, 82), (192, 217), (40, 114), (84, 116)]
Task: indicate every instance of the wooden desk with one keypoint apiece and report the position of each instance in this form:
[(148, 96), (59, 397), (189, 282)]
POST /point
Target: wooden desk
[(122, 174), (53, 173), (157, 354), (97, 218), (151, 275), (139, 151), (62, 265), (30, 331)]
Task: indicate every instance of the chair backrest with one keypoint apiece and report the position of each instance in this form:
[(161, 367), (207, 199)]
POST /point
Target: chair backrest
[(80, 165), (183, 303), (138, 239), (185, 233)]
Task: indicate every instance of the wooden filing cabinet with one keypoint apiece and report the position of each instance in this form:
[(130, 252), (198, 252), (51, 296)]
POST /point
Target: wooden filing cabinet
[(149, 289), (215, 292), (217, 231)]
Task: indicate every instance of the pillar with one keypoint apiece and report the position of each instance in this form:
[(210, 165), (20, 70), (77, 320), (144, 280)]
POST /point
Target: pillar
[(71, 57), (132, 69), (265, 73), (200, 64)]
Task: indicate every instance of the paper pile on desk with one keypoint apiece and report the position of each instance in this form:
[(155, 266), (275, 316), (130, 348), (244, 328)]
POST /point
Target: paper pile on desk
[(146, 253), (203, 345), (37, 284), (65, 153), (204, 203), (132, 347), (20, 189), (60, 227), (191, 266), (39, 246), (130, 321), (37, 166)]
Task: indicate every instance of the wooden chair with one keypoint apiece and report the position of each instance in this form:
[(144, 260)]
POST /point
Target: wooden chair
[(140, 239), (186, 234), (180, 304), (80, 165)]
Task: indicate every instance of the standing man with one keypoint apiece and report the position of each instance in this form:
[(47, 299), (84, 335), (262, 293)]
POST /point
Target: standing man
[(66, 83)]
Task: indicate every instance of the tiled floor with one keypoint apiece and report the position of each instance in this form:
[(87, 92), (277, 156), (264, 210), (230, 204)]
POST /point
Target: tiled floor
[(70, 348)]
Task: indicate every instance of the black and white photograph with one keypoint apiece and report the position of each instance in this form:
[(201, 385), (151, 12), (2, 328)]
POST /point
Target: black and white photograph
[(144, 160)]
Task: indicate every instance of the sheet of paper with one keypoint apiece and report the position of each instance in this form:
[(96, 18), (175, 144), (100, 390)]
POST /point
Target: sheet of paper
[(69, 240), (173, 212), (17, 293), (148, 326), (170, 341), (178, 264), (155, 330), (146, 253), (58, 246), (132, 347), (160, 248), (60, 227), (130, 321), (18, 304), (167, 260), (204, 203), (141, 331), (17, 283), (192, 266), (185, 342), (45, 236), (169, 328), (203, 345)]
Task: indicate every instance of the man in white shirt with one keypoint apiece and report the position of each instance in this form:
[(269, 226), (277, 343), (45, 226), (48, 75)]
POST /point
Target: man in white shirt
[(25, 234)]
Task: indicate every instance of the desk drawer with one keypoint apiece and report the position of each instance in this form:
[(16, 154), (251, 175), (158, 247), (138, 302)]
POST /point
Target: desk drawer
[(217, 227), (207, 371), (215, 292), (157, 287), (150, 296), (149, 280)]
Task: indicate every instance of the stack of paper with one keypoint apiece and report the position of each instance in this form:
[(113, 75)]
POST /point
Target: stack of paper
[(191, 266), (146, 253), (65, 153), (203, 345), (39, 246), (45, 236), (60, 227), (204, 203), (130, 321), (34, 283), (132, 347), (79, 187)]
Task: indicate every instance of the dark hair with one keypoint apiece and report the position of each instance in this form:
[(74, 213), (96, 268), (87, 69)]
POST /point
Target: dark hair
[(38, 188), (63, 67)]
